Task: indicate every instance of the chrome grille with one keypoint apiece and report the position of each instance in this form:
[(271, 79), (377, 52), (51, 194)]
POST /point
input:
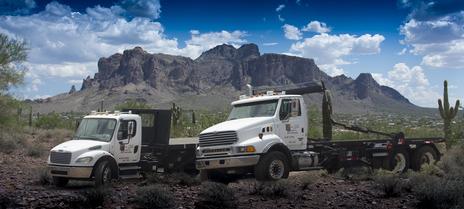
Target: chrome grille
[(60, 157), (218, 138)]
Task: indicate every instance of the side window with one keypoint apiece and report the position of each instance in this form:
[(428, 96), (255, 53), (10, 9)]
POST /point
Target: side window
[(289, 108), (296, 110), (124, 126)]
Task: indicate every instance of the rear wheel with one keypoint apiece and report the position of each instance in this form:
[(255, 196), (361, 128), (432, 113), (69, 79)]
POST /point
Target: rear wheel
[(424, 155), (397, 161), (103, 174), (60, 181), (271, 167)]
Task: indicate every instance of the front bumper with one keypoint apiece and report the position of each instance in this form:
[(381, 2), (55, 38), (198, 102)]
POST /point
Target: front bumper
[(227, 162), (70, 172)]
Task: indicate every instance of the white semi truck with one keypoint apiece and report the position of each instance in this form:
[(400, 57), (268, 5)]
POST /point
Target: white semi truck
[(109, 145), (266, 135)]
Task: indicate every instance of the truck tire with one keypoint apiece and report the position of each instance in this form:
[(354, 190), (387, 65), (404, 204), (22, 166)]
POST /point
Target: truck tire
[(424, 155), (103, 174), (397, 161), (272, 166), (60, 181)]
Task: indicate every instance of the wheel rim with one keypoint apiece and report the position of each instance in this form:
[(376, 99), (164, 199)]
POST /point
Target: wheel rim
[(400, 163), (106, 175), (276, 169), (427, 158)]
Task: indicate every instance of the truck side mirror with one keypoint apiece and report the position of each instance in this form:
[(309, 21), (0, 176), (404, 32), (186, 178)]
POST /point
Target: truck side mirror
[(131, 128)]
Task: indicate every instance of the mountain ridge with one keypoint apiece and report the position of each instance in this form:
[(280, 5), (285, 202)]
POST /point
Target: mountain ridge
[(218, 75)]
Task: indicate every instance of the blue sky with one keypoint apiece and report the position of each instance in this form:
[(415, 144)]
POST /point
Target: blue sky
[(410, 45)]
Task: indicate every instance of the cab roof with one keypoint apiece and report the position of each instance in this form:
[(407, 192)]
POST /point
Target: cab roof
[(264, 98)]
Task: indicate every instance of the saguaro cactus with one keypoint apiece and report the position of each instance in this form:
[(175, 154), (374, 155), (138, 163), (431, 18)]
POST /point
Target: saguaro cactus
[(176, 114), (447, 113), (327, 115)]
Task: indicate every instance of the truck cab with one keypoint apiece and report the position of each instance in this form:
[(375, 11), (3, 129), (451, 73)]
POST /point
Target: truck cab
[(261, 131), (110, 145)]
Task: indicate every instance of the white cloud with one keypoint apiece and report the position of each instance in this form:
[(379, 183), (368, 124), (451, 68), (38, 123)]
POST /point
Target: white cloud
[(440, 40), (410, 82), (270, 44), (68, 44), (291, 32), (75, 82), (200, 42), (281, 19), (329, 50), (16, 7), (316, 26), (280, 7)]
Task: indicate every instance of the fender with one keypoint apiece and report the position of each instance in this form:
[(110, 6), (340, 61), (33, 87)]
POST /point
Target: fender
[(101, 155), (276, 146)]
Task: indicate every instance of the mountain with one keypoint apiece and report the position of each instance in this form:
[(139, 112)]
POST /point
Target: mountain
[(214, 79)]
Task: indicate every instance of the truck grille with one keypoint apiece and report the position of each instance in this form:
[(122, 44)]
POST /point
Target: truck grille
[(60, 157), (218, 138)]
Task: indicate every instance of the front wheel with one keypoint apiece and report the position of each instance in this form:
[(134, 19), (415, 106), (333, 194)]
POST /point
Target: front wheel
[(60, 181), (103, 174), (271, 167)]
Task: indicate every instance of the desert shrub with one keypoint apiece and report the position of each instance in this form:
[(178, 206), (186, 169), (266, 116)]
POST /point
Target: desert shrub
[(452, 162), (215, 195), (432, 170), (440, 193), (355, 173), (273, 189), (390, 183), (43, 177), (94, 198), (7, 143), (154, 196), (173, 179), (55, 136), (308, 179), (34, 150)]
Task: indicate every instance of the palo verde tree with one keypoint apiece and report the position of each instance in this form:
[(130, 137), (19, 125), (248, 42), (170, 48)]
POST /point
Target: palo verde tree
[(447, 113), (12, 53)]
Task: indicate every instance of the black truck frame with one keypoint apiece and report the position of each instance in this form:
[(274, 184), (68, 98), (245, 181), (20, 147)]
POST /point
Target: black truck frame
[(157, 154)]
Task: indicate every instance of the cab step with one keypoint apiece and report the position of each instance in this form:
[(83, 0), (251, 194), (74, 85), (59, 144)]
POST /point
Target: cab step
[(125, 168), (132, 176)]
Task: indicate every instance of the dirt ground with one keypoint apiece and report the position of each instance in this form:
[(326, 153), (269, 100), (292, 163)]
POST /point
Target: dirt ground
[(20, 188)]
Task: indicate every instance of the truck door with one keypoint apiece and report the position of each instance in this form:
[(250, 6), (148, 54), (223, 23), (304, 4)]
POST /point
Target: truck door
[(127, 148), (292, 126)]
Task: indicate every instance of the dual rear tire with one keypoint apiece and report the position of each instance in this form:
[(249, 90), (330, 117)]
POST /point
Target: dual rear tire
[(400, 161)]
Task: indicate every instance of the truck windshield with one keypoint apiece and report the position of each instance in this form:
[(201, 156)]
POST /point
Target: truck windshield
[(253, 109), (100, 129)]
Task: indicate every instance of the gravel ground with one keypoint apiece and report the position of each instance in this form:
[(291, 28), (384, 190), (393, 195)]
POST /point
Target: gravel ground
[(20, 188)]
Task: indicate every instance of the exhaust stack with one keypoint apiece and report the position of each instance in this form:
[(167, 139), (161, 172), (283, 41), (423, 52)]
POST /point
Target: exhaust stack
[(250, 90)]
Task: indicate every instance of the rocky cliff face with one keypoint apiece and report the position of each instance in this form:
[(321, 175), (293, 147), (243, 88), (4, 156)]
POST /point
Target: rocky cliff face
[(219, 75)]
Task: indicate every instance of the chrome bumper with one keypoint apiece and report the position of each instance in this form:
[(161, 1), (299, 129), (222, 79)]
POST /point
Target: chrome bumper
[(227, 162), (70, 172)]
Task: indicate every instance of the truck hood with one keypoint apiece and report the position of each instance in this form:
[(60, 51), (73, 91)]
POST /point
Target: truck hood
[(238, 124), (78, 145)]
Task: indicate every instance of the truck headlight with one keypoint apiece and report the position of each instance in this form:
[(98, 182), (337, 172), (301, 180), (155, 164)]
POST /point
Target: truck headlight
[(84, 160), (244, 149)]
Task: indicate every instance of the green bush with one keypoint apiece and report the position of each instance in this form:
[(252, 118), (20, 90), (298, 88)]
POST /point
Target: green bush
[(273, 189), (50, 121), (215, 195), (154, 196), (355, 173)]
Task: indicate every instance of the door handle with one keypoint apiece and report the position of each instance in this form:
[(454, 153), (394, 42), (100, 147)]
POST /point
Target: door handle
[(136, 148)]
